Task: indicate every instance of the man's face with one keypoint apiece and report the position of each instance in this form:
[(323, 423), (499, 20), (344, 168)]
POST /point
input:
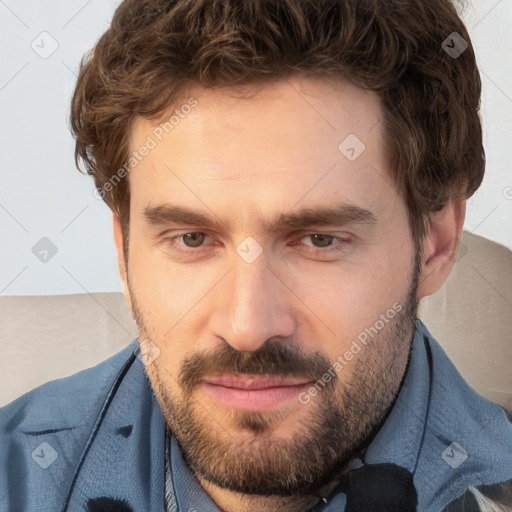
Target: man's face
[(269, 291)]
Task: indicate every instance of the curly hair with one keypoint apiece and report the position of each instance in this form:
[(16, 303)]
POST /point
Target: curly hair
[(430, 99)]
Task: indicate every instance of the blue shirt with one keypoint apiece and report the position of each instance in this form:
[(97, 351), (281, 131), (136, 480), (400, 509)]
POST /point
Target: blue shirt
[(101, 433)]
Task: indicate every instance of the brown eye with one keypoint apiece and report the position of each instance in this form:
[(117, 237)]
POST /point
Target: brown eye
[(323, 244), (323, 240), (193, 239)]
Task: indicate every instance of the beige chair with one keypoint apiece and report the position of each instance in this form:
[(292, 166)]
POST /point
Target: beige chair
[(471, 317), (44, 338), (49, 337)]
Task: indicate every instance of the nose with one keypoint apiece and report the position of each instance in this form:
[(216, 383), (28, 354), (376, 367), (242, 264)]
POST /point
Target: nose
[(251, 305)]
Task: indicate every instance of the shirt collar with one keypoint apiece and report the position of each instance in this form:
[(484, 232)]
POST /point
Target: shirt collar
[(188, 492), (399, 440)]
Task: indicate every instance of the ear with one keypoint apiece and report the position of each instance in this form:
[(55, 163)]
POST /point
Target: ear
[(121, 263), (440, 246)]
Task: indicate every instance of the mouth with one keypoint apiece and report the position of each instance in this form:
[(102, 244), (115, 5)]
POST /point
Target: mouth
[(253, 392)]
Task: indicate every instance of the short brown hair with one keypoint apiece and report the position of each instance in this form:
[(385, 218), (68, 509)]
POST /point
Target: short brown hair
[(430, 99)]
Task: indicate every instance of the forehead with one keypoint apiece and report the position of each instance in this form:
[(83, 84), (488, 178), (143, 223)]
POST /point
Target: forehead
[(323, 106), (282, 139)]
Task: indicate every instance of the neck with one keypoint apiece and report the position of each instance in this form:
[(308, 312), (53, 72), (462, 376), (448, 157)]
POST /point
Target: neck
[(229, 501)]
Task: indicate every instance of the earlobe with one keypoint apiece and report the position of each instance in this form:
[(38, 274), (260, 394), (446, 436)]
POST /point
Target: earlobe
[(121, 263), (440, 246)]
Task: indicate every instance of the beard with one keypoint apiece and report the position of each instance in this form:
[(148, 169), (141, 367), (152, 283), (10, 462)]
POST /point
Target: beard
[(341, 421)]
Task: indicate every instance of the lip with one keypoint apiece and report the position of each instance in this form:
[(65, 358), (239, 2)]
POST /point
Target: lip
[(254, 381), (253, 392)]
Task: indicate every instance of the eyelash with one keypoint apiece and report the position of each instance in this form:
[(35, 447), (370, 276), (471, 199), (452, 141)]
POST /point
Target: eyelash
[(325, 250)]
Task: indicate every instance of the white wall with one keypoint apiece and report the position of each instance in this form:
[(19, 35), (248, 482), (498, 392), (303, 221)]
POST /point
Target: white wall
[(42, 195)]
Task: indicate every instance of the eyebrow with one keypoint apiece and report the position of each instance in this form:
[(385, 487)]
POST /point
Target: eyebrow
[(336, 215)]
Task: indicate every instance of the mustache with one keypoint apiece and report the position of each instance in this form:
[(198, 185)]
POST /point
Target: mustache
[(272, 358)]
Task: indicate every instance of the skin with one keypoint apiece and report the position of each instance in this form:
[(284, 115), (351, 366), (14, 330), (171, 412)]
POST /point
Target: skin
[(244, 161)]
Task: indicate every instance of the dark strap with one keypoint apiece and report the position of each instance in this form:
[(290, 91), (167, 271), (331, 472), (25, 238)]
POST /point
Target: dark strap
[(379, 488)]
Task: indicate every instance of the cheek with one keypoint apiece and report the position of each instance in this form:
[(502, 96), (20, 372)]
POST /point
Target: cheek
[(347, 300), (166, 290), (162, 297)]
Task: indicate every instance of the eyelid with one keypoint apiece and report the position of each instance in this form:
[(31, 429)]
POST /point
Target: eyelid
[(187, 250), (342, 240)]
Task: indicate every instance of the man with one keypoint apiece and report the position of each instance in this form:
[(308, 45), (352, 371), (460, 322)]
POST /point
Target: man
[(287, 180)]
